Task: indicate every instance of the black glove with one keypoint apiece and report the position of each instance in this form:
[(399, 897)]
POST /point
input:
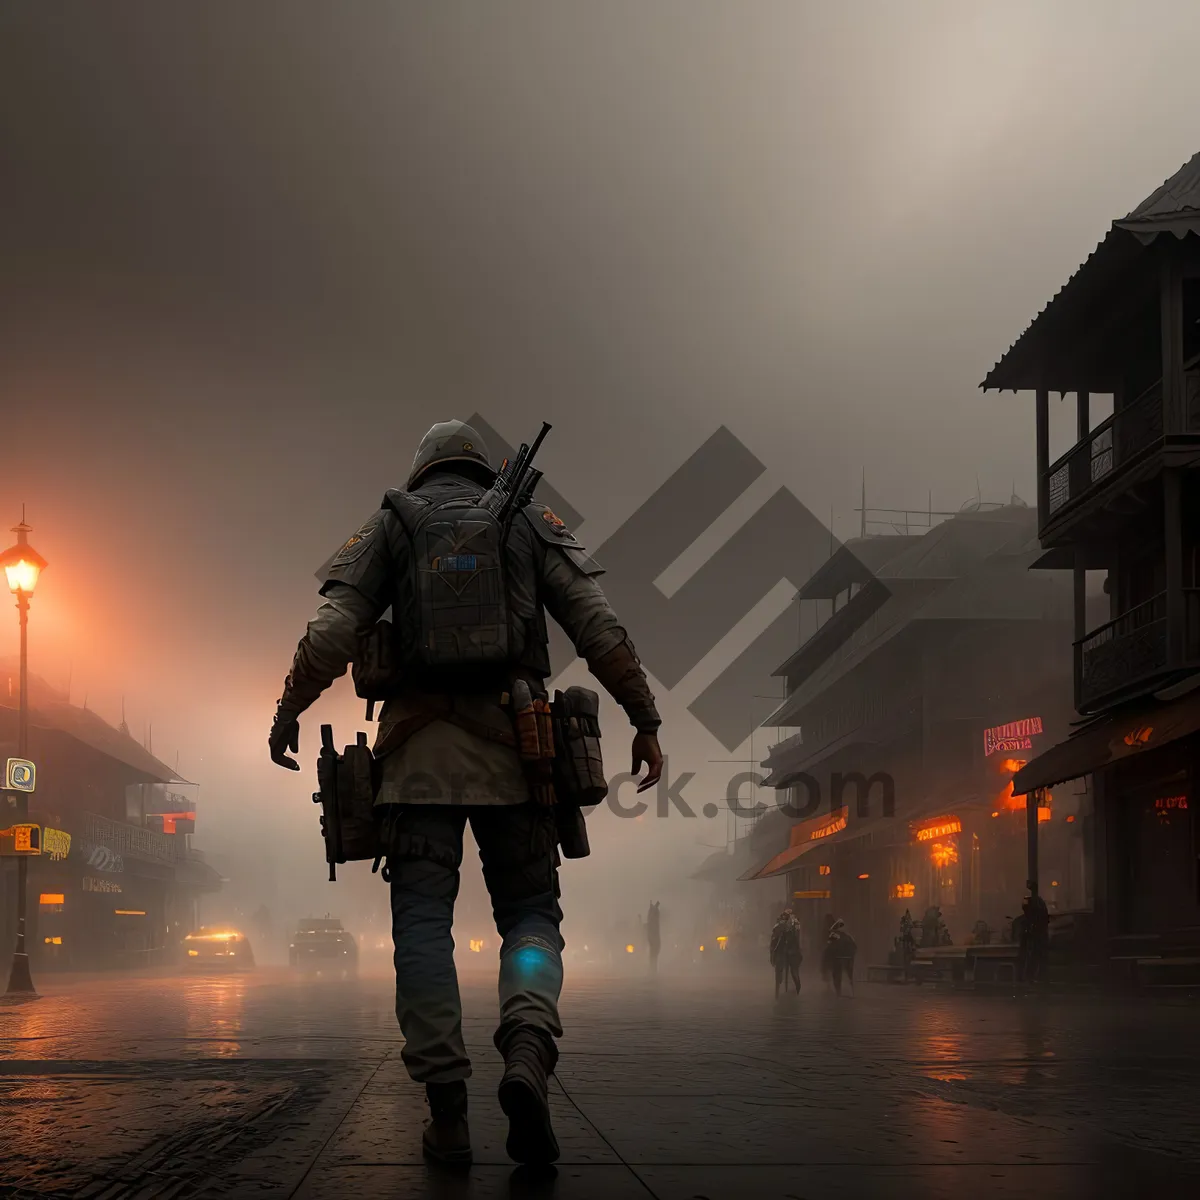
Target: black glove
[(285, 736)]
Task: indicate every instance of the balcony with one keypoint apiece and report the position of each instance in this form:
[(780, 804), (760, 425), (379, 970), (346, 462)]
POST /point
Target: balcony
[(1111, 447), (1123, 653), (132, 840), (1135, 650)]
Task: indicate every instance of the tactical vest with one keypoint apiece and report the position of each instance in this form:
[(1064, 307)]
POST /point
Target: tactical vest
[(467, 612)]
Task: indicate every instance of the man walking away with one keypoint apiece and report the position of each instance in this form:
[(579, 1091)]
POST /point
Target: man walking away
[(469, 582), (841, 950), (785, 951)]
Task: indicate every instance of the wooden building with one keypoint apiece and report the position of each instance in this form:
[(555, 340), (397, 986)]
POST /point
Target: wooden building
[(118, 881), (1125, 500), (929, 649)]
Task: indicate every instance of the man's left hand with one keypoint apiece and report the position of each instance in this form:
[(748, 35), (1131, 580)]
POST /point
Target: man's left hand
[(646, 750)]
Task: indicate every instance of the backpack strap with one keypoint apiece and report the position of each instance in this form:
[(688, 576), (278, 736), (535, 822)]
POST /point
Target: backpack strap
[(408, 506)]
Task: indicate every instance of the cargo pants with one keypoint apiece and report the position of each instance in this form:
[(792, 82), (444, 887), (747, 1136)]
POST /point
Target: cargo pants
[(517, 847)]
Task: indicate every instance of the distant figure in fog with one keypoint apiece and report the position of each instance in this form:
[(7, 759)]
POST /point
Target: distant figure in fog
[(653, 935), (1034, 937), (933, 928), (838, 959), (786, 956)]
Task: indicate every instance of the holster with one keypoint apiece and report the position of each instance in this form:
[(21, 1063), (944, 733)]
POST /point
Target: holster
[(348, 783), (579, 781)]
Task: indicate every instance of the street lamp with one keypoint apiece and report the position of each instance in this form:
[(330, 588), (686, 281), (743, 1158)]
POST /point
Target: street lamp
[(22, 565)]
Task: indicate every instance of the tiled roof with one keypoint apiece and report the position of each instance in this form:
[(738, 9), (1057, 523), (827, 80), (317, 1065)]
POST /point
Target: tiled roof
[(48, 709), (1174, 207), (1179, 194)]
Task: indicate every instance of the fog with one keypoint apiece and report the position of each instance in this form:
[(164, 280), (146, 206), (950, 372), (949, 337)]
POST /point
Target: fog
[(249, 253)]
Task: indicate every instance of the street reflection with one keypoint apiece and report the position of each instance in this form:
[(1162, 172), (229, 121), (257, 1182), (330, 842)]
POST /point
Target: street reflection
[(215, 1008)]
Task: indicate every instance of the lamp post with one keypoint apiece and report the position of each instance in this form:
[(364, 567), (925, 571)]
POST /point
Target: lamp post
[(22, 565)]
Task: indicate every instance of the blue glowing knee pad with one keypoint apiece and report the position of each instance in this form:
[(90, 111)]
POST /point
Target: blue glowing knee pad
[(533, 962)]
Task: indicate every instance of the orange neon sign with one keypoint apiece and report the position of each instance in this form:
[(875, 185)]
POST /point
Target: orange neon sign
[(834, 826), (940, 827)]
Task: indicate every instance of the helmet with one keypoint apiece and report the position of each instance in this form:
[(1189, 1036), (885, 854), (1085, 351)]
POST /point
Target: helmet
[(446, 442)]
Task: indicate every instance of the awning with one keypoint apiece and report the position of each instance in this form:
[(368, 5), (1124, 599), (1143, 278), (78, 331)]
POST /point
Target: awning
[(804, 836), (829, 830), (1110, 739)]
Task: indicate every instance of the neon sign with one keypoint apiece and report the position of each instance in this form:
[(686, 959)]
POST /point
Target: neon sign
[(1016, 735), (834, 826), (1164, 802), (940, 828)]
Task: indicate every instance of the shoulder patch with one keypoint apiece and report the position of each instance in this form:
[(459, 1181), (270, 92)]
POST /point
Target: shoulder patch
[(356, 545), (549, 526), (556, 523)]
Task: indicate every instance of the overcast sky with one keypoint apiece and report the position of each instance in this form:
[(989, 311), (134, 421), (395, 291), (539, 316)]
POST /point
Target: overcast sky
[(250, 252)]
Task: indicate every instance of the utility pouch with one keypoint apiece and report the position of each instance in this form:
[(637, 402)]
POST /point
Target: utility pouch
[(578, 765), (579, 779), (348, 784), (376, 671), (534, 734)]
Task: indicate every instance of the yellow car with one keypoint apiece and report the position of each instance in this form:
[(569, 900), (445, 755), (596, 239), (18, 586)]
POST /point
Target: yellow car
[(224, 948)]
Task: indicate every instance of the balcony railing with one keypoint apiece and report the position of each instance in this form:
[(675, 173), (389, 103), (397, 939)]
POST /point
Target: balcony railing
[(132, 839), (1106, 449), (1131, 648)]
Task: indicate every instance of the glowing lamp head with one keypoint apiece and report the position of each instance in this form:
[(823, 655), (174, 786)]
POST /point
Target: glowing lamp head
[(22, 563)]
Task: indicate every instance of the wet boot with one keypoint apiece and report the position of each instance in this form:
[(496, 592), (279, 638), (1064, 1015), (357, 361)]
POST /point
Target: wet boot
[(446, 1138), (524, 1096)]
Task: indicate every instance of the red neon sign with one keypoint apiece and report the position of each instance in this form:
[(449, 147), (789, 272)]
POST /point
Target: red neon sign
[(1016, 735)]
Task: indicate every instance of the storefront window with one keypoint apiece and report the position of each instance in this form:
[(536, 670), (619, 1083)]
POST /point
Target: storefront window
[(1164, 861)]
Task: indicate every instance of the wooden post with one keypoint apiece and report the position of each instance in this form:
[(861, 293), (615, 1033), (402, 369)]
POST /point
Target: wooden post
[(1032, 800), (1081, 629), (1170, 307), (1043, 454), (1080, 625), (1173, 536), (1083, 416), (1101, 872)]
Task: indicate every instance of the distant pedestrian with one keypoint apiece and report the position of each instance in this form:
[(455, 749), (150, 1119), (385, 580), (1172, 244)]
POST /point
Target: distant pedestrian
[(933, 928), (786, 955), (1034, 947), (653, 935), (840, 950)]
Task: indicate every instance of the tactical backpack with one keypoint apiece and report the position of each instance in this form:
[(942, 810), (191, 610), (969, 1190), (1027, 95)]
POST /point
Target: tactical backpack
[(461, 602)]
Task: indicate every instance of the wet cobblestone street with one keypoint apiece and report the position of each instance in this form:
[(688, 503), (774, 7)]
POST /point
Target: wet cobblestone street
[(254, 1085)]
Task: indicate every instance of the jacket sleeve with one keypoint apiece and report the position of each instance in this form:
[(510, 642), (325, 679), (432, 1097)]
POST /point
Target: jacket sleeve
[(329, 644), (577, 602), (355, 596)]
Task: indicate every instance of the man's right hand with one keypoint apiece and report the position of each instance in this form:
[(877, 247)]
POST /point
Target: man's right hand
[(646, 750), (285, 736)]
